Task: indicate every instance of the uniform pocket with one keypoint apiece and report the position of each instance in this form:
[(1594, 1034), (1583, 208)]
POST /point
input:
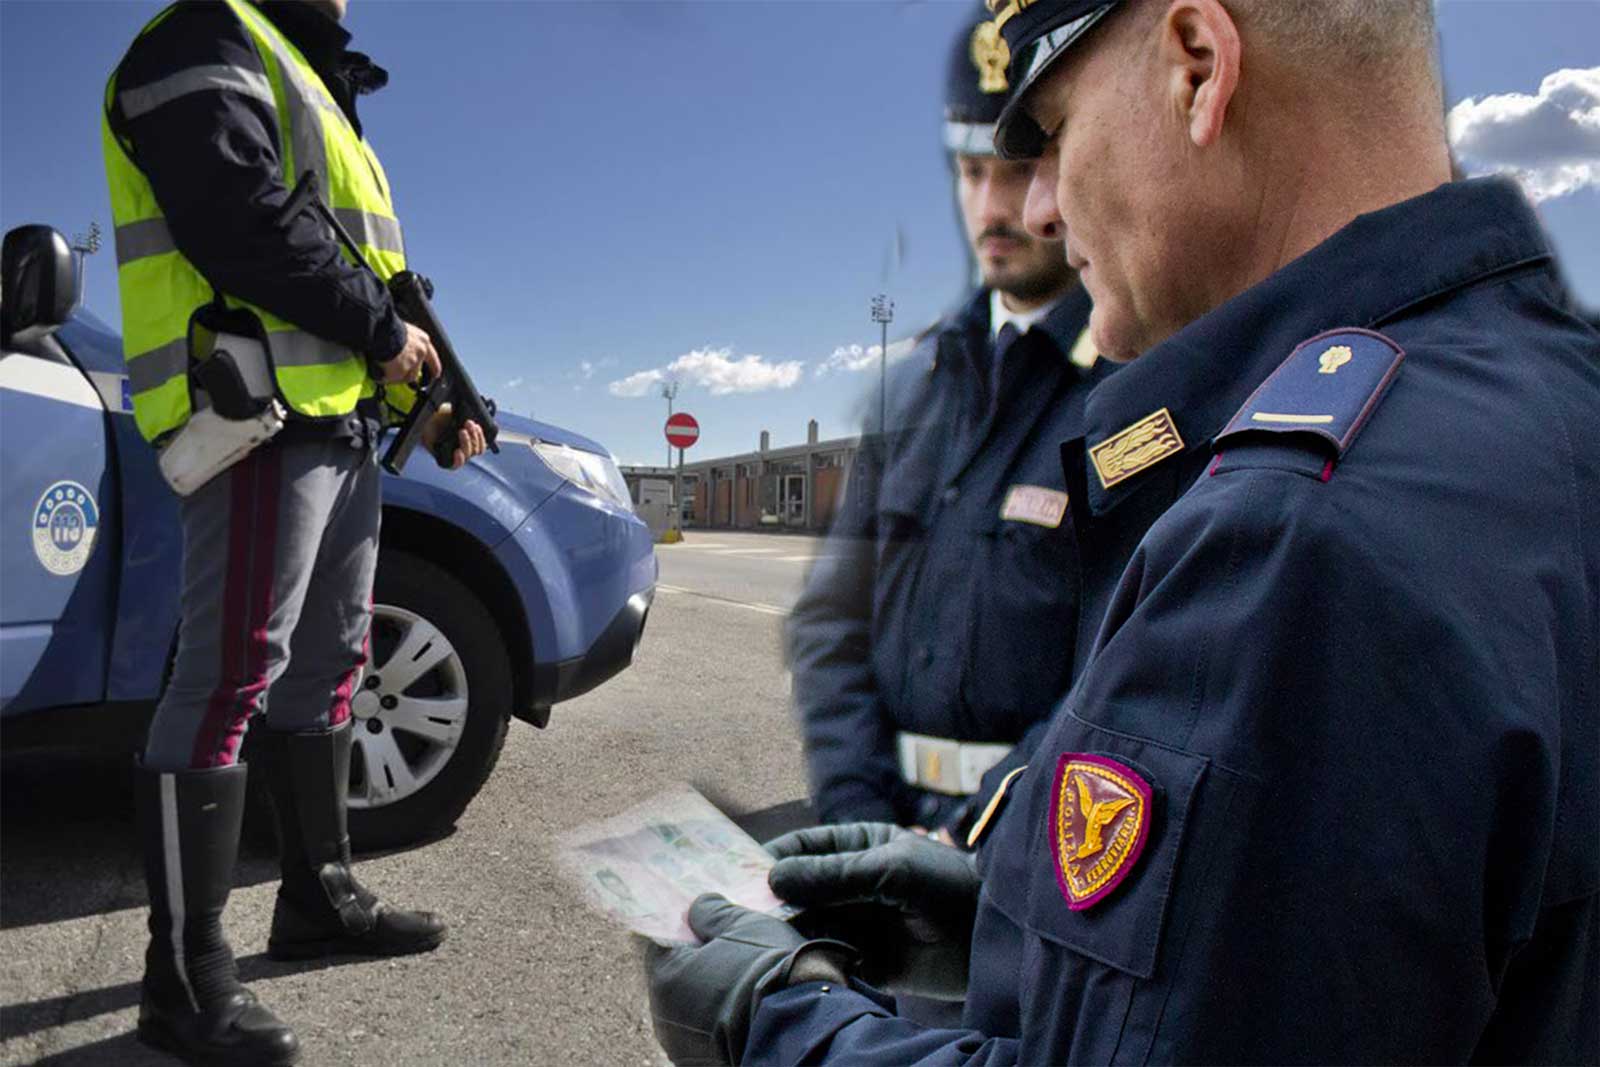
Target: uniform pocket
[(1023, 625), (1106, 847), (1107, 947)]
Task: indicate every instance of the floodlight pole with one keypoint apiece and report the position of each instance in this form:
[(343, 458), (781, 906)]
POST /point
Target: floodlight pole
[(883, 314), (669, 390)]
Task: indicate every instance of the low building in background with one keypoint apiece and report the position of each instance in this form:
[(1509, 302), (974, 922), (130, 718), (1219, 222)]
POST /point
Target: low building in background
[(796, 487)]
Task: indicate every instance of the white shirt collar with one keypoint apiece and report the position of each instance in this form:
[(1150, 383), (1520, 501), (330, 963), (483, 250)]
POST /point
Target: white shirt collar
[(999, 315)]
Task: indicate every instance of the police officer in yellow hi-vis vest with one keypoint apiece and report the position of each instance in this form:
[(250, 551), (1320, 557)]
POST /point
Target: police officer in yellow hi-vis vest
[(210, 119)]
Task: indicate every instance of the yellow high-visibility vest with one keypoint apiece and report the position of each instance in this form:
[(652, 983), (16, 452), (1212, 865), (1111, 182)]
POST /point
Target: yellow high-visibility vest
[(161, 289)]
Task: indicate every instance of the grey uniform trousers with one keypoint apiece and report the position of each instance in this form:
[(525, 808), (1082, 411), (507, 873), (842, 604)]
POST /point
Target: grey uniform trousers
[(279, 553)]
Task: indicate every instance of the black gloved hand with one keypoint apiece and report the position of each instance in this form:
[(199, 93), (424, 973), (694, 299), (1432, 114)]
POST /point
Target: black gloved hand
[(702, 997), (906, 901)]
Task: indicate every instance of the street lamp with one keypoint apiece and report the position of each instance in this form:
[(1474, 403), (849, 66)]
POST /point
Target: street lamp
[(883, 314)]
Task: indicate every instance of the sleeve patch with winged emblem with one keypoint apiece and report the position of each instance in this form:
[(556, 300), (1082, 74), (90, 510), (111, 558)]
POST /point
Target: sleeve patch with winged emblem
[(1099, 821)]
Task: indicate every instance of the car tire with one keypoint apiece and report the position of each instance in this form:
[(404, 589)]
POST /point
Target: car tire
[(421, 608)]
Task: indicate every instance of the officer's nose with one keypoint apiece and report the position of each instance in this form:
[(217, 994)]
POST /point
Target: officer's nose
[(1041, 216)]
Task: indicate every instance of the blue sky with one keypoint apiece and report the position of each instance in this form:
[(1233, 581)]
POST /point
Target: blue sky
[(602, 189)]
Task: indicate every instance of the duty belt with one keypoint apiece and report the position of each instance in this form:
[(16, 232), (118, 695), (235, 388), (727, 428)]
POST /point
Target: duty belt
[(947, 766)]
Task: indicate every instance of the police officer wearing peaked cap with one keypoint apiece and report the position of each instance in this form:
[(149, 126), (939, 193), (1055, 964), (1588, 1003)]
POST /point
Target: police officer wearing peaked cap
[(210, 119), (928, 641), (1326, 789)]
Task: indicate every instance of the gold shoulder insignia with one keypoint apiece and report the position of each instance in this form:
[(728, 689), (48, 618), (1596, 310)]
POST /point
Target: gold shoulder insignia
[(1129, 451), (1334, 358)]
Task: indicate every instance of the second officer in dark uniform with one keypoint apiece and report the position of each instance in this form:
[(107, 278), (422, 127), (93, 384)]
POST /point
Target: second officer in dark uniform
[(1326, 788), (929, 638)]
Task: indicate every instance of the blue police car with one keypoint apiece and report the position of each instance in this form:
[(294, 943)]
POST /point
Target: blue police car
[(502, 589)]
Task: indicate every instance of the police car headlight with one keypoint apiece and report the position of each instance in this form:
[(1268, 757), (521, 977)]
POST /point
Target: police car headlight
[(588, 471)]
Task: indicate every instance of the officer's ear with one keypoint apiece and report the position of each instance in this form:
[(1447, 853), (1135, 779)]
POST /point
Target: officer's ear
[(1200, 52)]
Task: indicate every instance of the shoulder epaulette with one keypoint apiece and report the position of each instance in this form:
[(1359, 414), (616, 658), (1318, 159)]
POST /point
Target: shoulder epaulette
[(1327, 388)]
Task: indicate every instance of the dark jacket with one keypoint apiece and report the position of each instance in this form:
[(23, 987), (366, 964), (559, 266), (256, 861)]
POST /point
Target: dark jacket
[(212, 160), (928, 610), (1355, 670)]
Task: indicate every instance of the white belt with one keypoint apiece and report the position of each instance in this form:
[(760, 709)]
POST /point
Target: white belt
[(945, 766)]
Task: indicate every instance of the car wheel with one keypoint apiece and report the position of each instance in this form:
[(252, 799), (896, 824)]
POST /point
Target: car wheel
[(431, 707)]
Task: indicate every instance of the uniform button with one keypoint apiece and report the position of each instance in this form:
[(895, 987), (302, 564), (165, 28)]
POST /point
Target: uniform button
[(951, 495)]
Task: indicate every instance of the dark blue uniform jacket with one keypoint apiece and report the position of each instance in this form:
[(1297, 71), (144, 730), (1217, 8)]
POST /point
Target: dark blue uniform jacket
[(929, 611), (1349, 683)]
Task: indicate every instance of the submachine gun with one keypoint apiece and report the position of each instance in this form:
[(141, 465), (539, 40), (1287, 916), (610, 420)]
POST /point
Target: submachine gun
[(411, 293)]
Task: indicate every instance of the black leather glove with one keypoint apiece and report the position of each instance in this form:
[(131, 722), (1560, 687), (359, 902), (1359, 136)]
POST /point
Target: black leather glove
[(905, 901), (702, 997)]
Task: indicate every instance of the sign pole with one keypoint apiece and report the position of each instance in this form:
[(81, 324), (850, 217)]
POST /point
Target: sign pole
[(682, 431), (677, 493)]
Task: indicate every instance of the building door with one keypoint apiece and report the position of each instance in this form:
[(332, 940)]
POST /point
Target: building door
[(792, 499)]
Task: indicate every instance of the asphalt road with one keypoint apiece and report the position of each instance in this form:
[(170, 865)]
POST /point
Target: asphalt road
[(755, 569), (529, 975)]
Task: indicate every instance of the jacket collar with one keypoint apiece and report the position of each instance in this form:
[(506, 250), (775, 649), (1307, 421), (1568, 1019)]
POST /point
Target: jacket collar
[(971, 324), (320, 39), (1368, 273)]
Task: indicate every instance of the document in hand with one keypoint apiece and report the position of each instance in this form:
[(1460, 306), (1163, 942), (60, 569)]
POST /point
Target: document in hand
[(644, 866)]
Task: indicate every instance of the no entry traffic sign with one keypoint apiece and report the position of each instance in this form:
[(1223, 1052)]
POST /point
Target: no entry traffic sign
[(682, 430)]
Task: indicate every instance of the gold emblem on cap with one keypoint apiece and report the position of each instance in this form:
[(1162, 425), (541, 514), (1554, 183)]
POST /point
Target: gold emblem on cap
[(1334, 358), (990, 54), (1144, 444), (1004, 10)]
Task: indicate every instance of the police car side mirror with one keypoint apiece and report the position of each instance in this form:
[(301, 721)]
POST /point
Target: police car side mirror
[(39, 284)]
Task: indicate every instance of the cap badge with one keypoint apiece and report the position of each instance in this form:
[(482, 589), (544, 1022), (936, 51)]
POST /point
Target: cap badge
[(1099, 821), (1144, 444), (990, 54), (1005, 10)]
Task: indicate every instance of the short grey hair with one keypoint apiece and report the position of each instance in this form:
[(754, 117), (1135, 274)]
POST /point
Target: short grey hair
[(1361, 30)]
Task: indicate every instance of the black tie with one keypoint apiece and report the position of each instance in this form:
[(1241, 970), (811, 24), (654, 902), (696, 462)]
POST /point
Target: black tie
[(1002, 344)]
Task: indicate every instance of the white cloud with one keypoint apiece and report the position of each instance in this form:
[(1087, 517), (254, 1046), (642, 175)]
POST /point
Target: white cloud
[(856, 358), (716, 370), (1549, 141), (586, 369), (641, 384)]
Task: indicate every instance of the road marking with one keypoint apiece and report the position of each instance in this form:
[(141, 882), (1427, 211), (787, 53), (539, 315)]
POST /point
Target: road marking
[(746, 552), (697, 544), (765, 609), (795, 559)]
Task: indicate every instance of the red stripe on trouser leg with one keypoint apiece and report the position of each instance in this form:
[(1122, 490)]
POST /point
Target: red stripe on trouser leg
[(339, 710), (246, 609)]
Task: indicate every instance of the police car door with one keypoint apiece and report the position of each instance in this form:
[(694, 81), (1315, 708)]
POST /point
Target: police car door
[(58, 545)]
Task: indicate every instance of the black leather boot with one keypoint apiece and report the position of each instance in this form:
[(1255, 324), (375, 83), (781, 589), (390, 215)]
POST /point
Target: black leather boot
[(191, 1003), (322, 910)]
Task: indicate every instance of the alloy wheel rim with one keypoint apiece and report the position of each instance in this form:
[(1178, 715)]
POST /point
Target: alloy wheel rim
[(410, 708)]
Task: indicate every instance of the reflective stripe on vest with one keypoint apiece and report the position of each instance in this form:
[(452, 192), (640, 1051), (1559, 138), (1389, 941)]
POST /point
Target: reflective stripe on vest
[(161, 289)]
